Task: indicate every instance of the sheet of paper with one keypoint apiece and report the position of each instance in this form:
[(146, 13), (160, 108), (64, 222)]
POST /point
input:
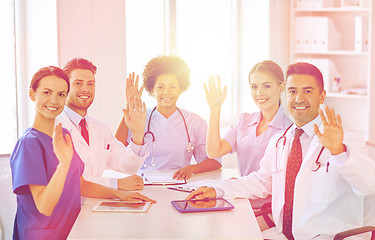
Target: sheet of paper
[(200, 183), (113, 174), (160, 178)]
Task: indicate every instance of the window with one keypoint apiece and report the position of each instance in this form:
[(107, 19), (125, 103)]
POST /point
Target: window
[(206, 34), (8, 99), (204, 40)]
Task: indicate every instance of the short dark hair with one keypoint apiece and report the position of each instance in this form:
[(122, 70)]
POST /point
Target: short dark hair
[(308, 69), (166, 65), (79, 63), (270, 68), (45, 72)]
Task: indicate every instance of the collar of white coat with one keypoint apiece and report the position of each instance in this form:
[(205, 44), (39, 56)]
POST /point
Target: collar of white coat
[(309, 127), (74, 117)]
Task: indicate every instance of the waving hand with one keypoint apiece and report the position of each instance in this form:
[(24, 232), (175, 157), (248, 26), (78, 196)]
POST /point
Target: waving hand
[(132, 87), (214, 95), (333, 135)]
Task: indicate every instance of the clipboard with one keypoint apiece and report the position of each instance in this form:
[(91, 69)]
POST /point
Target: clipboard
[(160, 178)]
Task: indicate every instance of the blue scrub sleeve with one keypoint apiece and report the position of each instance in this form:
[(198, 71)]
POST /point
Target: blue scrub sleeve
[(28, 166)]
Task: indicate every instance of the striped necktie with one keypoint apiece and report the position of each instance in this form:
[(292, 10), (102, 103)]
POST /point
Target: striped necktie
[(292, 168)]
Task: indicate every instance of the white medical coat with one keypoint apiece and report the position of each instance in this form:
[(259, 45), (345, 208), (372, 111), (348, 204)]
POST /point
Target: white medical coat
[(325, 203), (104, 151)]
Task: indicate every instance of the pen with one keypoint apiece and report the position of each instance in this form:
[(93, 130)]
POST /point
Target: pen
[(327, 166), (144, 176), (182, 189)]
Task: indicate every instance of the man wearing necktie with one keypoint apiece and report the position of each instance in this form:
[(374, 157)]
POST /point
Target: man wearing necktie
[(308, 202), (93, 141)]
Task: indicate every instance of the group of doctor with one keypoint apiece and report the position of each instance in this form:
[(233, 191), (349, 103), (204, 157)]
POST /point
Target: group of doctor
[(65, 152)]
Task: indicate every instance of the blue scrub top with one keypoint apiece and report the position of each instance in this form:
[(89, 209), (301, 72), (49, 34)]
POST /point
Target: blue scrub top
[(33, 161)]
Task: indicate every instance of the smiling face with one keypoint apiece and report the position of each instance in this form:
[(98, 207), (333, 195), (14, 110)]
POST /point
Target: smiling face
[(166, 91), (82, 90), (265, 91), (303, 98), (49, 97)]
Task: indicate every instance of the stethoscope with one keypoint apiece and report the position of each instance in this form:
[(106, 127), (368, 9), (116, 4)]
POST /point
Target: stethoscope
[(317, 164), (189, 146)]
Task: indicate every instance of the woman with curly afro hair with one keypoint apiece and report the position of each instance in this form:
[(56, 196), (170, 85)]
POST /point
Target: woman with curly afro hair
[(172, 135)]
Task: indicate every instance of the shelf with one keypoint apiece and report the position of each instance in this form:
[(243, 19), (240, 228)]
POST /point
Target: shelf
[(347, 96), (332, 9), (334, 53)]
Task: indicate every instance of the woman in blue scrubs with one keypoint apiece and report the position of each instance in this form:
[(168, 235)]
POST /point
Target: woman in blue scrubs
[(46, 170), (172, 135)]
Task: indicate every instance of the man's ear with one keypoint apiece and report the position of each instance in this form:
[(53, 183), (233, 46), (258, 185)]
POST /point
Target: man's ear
[(32, 94), (322, 96)]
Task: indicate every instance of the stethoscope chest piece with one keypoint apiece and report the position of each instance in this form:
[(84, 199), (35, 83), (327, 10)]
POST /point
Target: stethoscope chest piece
[(189, 148)]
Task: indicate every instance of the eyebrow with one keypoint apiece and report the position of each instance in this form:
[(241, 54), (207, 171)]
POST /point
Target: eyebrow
[(81, 80), (47, 89), (262, 83), (304, 88)]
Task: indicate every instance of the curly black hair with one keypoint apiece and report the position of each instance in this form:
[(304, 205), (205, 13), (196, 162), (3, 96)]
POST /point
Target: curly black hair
[(166, 65)]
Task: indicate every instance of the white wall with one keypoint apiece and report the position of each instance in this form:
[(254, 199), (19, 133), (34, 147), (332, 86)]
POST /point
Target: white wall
[(81, 35)]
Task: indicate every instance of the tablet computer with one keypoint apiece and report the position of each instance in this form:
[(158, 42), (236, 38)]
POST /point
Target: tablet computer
[(121, 206), (216, 204)]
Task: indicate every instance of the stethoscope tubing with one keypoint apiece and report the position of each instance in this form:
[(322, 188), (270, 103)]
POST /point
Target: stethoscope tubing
[(283, 138), (189, 147)]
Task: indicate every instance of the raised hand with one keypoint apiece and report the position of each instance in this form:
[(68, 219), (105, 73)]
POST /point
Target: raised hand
[(214, 95), (135, 118), (62, 146), (333, 135), (132, 87)]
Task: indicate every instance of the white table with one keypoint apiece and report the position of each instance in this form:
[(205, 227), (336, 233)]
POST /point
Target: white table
[(163, 221)]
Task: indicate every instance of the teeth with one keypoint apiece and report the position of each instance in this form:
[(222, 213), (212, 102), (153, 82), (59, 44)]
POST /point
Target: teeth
[(262, 100), (52, 108), (300, 108), (84, 97)]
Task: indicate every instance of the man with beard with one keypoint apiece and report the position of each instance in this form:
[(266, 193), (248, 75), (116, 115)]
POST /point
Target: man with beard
[(92, 139)]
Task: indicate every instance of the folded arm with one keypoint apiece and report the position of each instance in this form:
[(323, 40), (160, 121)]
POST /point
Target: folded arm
[(204, 166)]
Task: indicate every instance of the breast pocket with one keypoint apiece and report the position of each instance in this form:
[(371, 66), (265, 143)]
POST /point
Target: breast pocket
[(325, 185)]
